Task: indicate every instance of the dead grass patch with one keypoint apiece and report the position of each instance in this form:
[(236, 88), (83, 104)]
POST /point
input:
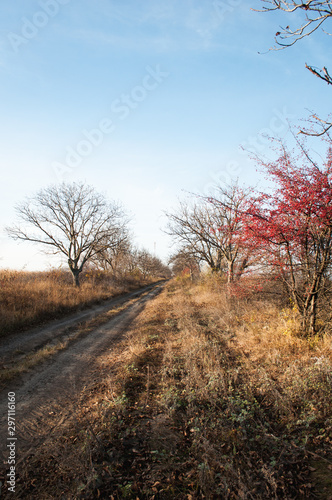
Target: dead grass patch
[(30, 298)]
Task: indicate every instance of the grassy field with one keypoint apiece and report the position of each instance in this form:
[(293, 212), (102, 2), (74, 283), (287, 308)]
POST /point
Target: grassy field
[(30, 298), (209, 396)]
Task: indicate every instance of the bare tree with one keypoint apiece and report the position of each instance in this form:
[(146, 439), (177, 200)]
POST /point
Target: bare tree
[(315, 13), (72, 220), (114, 250), (226, 222), (150, 265), (189, 227), (182, 261), (211, 229)]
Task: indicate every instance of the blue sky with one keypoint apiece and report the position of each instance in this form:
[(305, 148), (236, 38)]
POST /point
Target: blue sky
[(143, 100)]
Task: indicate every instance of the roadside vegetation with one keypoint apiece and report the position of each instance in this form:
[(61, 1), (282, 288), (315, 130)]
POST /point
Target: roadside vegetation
[(29, 299), (211, 395), (284, 231)]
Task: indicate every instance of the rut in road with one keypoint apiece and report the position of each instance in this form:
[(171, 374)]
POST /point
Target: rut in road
[(12, 345), (53, 387)]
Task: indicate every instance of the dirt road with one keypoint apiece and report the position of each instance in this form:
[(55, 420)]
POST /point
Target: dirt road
[(15, 345), (54, 386)]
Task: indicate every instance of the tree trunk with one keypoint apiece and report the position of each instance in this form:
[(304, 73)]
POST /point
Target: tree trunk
[(76, 277), (215, 264), (241, 268), (313, 314), (230, 277), (309, 316)]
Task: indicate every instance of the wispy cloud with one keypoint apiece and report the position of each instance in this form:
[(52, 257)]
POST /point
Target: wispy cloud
[(151, 24)]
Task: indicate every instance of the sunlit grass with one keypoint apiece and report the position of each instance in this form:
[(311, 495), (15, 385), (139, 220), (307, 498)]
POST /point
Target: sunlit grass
[(30, 298)]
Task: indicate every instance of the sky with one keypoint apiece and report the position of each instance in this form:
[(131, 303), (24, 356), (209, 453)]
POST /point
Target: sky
[(144, 100)]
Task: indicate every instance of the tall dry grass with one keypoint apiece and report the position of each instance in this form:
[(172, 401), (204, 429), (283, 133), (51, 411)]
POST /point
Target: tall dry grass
[(30, 298), (256, 396)]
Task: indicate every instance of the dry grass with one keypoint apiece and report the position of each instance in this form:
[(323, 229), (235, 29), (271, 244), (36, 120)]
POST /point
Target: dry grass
[(25, 361), (209, 397), (30, 298)]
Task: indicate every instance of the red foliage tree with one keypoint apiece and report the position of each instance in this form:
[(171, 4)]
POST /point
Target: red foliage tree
[(293, 225)]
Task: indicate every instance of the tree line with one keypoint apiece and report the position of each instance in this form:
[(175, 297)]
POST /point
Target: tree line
[(285, 232), (81, 225)]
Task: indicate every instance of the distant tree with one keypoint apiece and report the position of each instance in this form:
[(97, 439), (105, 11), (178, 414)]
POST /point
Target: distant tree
[(114, 251), (293, 226), (150, 265), (184, 261), (70, 219), (315, 13), (188, 225)]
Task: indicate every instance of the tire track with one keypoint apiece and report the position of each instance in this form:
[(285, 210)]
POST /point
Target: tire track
[(18, 343), (50, 391)]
